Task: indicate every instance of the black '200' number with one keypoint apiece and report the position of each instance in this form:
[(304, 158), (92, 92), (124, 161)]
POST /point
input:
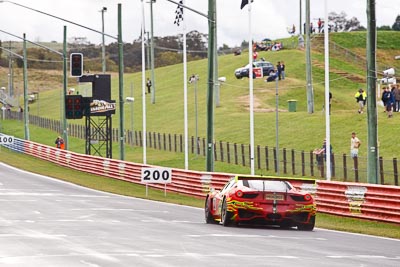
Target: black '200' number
[(156, 175)]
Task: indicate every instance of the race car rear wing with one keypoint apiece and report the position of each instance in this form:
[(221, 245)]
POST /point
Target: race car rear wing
[(296, 182)]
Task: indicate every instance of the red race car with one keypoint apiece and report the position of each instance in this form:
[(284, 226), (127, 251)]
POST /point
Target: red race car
[(262, 200)]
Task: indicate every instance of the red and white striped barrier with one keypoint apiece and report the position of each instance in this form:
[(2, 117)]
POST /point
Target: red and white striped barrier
[(364, 201)]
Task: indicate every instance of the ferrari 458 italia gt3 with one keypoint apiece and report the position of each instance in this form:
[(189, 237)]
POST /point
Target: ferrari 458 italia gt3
[(261, 200)]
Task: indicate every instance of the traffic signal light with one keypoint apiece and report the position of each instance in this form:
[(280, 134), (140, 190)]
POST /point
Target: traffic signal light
[(76, 64), (74, 106)]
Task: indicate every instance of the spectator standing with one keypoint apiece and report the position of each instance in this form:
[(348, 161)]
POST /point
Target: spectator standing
[(321, 155), (390, 102), (279, 70), (60, 143), (319, 25), (354, 145), (384, 97), (148, 84), (396, 92), (255, 55), (361, 98), (283, 70)]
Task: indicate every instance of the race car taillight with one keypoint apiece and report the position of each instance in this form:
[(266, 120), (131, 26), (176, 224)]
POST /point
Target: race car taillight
[(307, 197), (239, 193)]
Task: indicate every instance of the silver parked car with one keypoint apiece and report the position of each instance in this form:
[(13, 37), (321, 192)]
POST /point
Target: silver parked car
[(266, 66)]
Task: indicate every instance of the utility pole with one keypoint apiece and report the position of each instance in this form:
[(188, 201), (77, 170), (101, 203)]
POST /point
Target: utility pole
[(65, 85), (372, 117), (147, 50), (153, 82), (210, 85), (301, 22), (26, 110), (103, 48), (10, 74), (310, 91)]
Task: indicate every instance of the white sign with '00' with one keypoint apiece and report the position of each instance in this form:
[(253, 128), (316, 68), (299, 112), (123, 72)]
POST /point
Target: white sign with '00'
[(6, 140), (156, 175)]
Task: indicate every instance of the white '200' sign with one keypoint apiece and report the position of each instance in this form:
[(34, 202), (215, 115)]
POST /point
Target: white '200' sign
[(156, 175)]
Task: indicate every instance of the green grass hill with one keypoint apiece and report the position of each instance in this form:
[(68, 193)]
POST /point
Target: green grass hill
[(297, 130)]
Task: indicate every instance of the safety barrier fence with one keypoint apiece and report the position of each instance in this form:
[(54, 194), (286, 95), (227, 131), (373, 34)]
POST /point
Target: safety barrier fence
[(358, 200), (376, 202), (267, 159)]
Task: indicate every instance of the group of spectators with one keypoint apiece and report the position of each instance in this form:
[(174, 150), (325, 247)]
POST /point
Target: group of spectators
[(267, 46), (391, 99)]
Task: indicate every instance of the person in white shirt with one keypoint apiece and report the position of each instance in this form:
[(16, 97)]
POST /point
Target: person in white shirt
[(354, 145)]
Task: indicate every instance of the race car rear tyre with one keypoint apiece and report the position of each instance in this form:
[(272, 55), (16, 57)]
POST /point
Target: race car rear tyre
[(226, 215), (307, 227), (208, 215)]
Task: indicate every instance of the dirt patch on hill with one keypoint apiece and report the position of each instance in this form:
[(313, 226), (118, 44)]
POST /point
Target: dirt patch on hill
[(245, 102)]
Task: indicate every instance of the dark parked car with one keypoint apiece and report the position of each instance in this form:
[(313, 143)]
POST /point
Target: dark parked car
[(266, 66)]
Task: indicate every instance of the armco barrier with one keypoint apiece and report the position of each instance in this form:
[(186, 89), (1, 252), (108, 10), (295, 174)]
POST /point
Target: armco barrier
[(366, 201)]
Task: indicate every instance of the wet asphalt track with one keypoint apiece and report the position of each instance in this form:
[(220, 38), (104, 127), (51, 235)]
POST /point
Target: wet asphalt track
[(45, 222)]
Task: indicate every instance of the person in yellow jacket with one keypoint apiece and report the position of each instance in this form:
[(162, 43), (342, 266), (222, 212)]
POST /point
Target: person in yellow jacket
[(361, 98)]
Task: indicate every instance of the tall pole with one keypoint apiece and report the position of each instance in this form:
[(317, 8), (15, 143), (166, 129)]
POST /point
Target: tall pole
[(251, 98), (372, 117), (26, 111), (327, 106), (217, 83), (210, 86), (65, 81), (185, 111), (310, 92), (301, 20), (196, 78), (148, 49), (133, 136), (277, 124), (103, 48), (153, 82), (121, 87), (144, 114), (10, 74)]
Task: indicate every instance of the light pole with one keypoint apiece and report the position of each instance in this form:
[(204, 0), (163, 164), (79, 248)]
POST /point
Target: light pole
[(103, 48), (193, 79), (372, 116), (310, 90), (277, 123), (131, 99), (153, 82)]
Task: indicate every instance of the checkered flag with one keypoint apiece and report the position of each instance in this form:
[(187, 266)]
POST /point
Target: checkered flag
[(179, 13)]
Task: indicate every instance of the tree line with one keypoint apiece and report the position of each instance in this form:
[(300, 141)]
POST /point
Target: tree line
[(167, 50)]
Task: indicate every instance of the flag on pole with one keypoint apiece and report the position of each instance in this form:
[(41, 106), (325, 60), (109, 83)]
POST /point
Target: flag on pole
[(244, 3), (179, 13)]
